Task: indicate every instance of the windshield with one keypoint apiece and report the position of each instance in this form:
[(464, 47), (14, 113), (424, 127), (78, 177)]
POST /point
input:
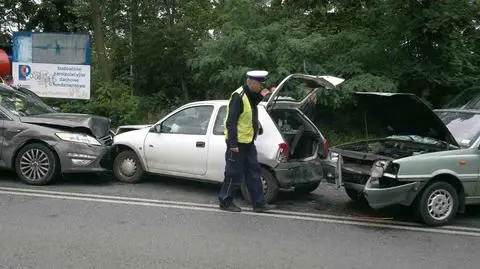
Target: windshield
[(23, 105), (464, 126)]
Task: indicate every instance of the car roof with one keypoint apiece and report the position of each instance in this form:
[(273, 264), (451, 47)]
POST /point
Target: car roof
[(212, 102)]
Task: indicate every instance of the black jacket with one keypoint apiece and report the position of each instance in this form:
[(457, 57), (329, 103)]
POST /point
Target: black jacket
[(236, 108)]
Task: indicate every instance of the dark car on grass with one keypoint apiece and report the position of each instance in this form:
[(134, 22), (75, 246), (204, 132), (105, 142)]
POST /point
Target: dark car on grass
[(40, 144)]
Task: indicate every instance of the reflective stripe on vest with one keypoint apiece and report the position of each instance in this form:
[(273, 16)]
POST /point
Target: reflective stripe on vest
[(245, 124)]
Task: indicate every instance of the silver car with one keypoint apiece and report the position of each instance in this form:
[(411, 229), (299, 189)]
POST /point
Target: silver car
[(189, 142), (40, 144)]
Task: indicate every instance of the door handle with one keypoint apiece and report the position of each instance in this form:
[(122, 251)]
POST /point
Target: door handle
[(200, 144)]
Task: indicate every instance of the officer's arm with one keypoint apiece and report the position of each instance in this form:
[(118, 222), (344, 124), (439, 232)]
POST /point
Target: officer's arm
[(257, 98), (235, 109)]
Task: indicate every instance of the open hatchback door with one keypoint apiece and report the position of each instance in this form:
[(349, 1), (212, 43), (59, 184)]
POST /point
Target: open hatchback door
[(296, 90)]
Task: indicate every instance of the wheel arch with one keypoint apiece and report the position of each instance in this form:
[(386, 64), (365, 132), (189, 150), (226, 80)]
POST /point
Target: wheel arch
[(118, 148), (456, 184), (33, 141)]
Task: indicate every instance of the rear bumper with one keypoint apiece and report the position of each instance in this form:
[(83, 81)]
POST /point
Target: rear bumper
[(299, 173), (83, 158)]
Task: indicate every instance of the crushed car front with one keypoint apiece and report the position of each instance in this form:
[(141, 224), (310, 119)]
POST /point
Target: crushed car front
[(392, 169), (81, 141)]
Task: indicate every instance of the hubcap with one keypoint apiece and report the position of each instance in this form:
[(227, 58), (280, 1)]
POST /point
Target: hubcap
[(440, 204), (34, 164), (128, 167)]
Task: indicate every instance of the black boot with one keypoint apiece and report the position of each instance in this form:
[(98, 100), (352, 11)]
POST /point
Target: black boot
[(232, 207), (263, 208)]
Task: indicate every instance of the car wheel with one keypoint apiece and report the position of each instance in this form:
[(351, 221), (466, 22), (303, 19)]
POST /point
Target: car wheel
[(270, 187), (356, 196), (35, 164), (438, 204), (127, 167), (306, 188)]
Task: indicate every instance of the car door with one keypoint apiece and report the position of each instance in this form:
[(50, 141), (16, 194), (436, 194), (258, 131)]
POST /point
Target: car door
[(179, 144), (216, 151)]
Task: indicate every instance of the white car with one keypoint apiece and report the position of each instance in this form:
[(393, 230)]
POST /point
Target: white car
[(189, 142)]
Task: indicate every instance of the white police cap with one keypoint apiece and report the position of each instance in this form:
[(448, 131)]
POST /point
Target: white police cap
[(259, 75)]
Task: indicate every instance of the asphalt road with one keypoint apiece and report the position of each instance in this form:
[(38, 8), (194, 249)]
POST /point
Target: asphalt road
[(95, 222)]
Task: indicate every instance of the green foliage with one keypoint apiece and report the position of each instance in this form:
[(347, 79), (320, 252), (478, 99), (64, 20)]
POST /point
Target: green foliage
[(111, 100)]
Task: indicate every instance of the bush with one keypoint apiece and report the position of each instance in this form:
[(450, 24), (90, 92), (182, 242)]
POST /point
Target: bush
[(112, 100)]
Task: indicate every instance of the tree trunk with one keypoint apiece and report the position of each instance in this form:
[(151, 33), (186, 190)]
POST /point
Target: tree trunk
[(99, 39)]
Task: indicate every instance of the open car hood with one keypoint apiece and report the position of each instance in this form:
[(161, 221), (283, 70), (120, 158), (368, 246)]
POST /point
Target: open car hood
[(404, 114), (99, 126)]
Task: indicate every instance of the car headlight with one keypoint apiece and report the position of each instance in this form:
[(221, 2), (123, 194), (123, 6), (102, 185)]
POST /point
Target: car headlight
[(79, 138), (378, 168)]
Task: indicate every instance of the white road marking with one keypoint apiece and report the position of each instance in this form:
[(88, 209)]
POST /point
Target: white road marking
[(466, 231), (284, 212)]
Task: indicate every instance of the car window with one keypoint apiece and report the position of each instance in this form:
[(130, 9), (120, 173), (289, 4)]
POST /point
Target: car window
[(192, 120), (219, 127)]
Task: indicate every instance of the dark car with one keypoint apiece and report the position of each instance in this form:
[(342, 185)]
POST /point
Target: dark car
[(39, 143)]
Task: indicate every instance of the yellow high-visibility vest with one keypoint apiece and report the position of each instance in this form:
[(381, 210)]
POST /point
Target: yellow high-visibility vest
[(245, 130)]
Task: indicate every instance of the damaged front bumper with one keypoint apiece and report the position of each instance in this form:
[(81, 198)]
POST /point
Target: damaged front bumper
[(83, 158), (294, 174), (378, 197)]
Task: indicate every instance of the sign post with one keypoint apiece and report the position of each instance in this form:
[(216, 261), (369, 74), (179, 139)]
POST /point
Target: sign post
[(52, 65)]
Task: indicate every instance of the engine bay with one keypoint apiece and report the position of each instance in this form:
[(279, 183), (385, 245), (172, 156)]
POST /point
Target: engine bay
[(393, 148)]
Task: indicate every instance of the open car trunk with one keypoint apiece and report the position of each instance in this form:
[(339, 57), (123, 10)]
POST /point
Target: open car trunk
[(301, 136)]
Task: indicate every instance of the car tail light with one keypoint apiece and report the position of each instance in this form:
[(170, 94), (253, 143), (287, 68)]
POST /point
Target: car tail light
[(283, 151), (326, 148)]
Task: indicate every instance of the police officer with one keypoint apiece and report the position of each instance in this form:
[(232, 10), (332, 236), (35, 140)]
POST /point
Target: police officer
[(241, 129)]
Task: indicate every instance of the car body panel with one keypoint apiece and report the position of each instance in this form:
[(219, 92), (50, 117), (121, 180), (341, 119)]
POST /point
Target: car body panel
[(98, 126), (403, 195), (128, 128)]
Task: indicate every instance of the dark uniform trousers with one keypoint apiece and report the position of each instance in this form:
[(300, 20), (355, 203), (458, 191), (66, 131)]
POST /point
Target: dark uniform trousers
[(242, 165)]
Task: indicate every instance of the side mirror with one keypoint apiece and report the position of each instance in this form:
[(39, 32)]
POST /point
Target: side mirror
[(155, 128), (260, 130), (56, 108)]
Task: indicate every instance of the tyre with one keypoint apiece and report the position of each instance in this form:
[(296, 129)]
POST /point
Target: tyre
[(127, 167), (306, 188), (356, 196), (438, 204), (36, 164), (270, 187)]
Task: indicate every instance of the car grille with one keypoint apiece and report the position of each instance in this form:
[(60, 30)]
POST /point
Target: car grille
[(354, 177), (106, 140)]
